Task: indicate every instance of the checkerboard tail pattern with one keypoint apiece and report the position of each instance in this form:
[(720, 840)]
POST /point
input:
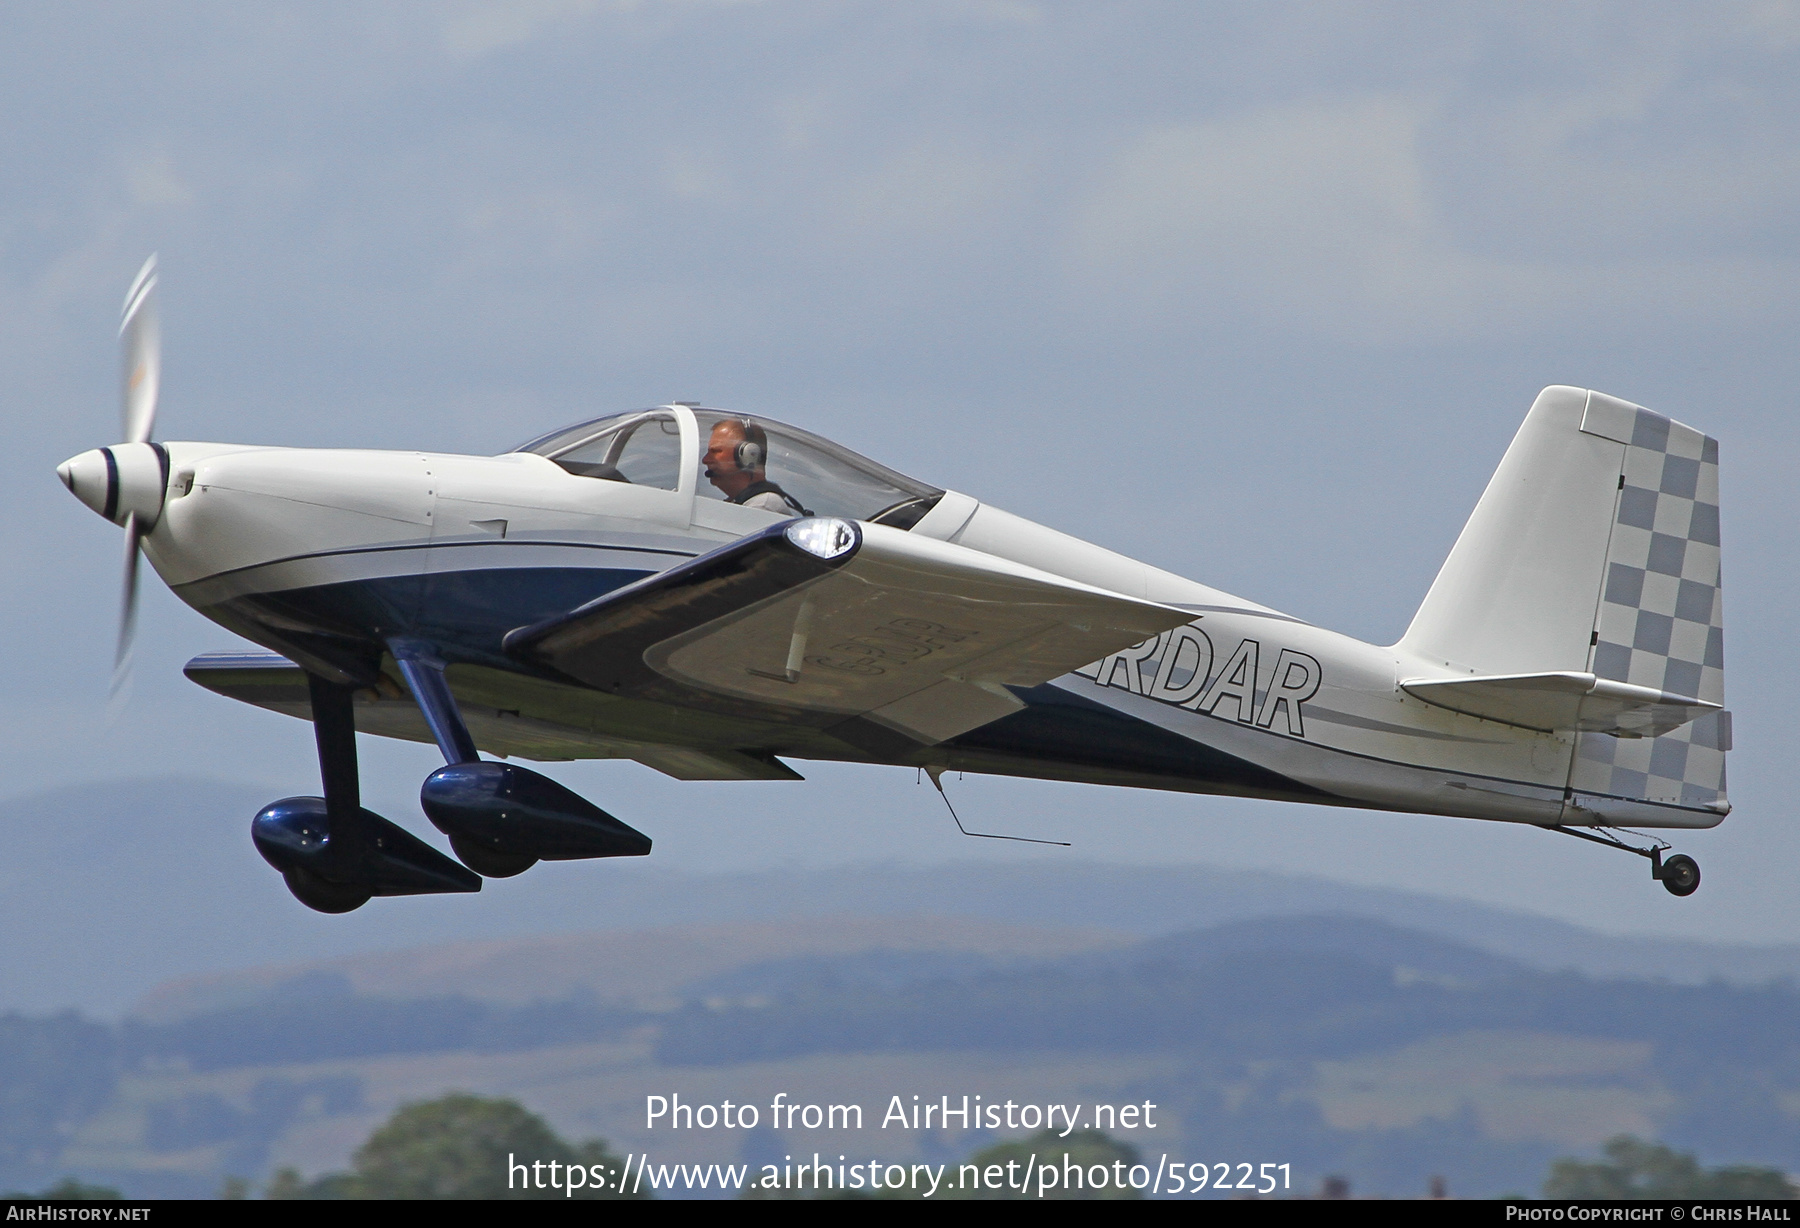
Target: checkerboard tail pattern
[(1660, 622)]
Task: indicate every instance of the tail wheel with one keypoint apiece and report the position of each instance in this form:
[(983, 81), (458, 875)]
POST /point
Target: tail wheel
[(1681, 874), (490, 863), (322, 896)]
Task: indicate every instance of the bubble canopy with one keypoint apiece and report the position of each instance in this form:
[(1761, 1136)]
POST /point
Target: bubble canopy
[(645, 447)]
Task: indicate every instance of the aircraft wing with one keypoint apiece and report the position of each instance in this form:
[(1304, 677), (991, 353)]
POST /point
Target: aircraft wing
[(1564, 701), (832, 619), (278, 685)]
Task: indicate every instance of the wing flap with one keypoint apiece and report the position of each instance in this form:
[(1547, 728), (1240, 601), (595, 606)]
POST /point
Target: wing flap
[(918, 634), (947, 708), (1563, 701), (685, 764)]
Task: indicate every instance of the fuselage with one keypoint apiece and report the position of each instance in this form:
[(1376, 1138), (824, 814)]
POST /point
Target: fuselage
[(326, 556)]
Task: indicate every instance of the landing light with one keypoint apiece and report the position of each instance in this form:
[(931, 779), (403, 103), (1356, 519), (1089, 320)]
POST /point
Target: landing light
[(825, 537)]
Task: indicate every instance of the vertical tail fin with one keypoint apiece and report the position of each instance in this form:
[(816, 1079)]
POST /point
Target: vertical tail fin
[(1518, 593), (1595, 549)]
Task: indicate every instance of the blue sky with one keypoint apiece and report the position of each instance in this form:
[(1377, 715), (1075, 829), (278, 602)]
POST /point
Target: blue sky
[(1257, 293)]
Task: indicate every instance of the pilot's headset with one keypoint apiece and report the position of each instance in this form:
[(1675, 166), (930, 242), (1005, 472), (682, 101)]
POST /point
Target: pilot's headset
[(752, 452)]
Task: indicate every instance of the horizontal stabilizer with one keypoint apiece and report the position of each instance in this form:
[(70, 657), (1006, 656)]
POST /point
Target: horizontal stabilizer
[(1563, 701), (825, 620)]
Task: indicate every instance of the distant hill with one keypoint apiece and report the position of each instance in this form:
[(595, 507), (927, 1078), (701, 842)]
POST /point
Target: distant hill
[(1336, 1043), (107, 891), (646, 969)]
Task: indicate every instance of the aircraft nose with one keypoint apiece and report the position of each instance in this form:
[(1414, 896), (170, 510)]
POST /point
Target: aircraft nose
[(86, 477)]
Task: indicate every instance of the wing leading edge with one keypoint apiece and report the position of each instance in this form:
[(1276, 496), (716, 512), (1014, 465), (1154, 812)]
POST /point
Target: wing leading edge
[(831, 620)]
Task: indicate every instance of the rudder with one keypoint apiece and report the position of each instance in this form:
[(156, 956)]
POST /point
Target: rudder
[(1661, 618)]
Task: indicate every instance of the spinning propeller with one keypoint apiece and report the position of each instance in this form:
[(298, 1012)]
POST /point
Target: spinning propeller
[(126, 483)]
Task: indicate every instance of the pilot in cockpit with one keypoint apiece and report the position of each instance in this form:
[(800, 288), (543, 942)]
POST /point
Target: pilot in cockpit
[(737, 464)]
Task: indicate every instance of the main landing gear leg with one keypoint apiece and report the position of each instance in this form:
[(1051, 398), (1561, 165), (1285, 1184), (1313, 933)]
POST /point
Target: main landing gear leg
[(333, 854), (1679, 875), (423, 670), (334, 730)]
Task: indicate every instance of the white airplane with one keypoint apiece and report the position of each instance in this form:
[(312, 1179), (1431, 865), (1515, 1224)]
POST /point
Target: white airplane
[(707, 593)]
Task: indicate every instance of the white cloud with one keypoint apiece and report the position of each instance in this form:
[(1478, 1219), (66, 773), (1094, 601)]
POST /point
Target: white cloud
[(1776, 23), (933, 187), (480, 29), (505, 230), (1322, 215), (691, 175), (153, 180), (992, 12)]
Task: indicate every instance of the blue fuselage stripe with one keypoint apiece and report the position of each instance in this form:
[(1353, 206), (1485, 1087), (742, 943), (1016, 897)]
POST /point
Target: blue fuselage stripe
[(464, 613)]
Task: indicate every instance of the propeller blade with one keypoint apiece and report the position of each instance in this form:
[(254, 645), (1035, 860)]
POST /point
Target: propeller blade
[(127, 605), (140, 343)]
